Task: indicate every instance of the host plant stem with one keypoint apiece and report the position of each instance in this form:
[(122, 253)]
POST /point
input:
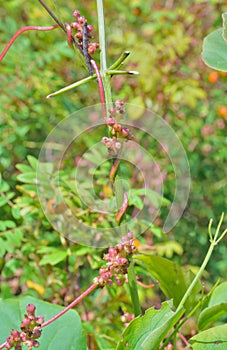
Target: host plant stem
[(109, 104)]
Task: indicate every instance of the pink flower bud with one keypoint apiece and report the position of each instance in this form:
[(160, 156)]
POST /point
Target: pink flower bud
[(30, 308), (81, 19), (89, 28), (76, 13), (39, 320)]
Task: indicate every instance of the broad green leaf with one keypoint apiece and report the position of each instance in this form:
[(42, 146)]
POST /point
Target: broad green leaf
[(64, 333), (219, 295), (211, 314), (53, 258), (215, 51), (148, 331), (217, 306), (224, 30), (174, 280), (211, 339)]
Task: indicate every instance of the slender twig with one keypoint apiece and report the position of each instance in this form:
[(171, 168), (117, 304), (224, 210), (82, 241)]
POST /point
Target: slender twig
[(121, 72), (103, 61), (101, 89), (72, 86), (122, 209), (120, 60), (213, 242), (22, 30), (70, 306), (2, 346)]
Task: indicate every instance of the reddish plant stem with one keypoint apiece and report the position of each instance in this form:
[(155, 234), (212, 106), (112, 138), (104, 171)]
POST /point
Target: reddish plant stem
[(101, 89), (2, 346), (69, 34), (22, 30), (114, 168), (183, 339), (70, 306), (123, 208), (147, 285)]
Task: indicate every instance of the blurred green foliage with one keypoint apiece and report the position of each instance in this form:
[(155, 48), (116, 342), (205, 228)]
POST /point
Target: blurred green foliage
[(165, 40)]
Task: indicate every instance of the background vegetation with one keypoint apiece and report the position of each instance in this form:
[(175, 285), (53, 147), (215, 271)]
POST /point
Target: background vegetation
[(165, 40)]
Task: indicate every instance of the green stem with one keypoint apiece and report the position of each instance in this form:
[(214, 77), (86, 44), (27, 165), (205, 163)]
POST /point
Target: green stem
[(120, 60), (109, 104), (121, 72), (103, 62), (72, 86), (213, 242), (197, 277), (133, 289)]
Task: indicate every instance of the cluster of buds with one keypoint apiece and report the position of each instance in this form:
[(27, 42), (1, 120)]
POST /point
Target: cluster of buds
[(118, 129), (83, 32), (117, 264), (118, 109), (30, 331), (112, 144)]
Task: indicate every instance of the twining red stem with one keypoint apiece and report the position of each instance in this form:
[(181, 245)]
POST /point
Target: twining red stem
[(70, 306), (22, 30), (101, 89), (147, 285), (123, 209), (114, 168), (2, 346), (183, 339), (69, 33)]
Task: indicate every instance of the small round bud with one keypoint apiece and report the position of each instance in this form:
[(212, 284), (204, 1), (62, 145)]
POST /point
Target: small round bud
[(30, 308), (118, 145), (75, 25), (39, 320), (111, 121), (25, 323), (89, 28), (35, 343), (76, 13), (81, 19), (23, 336), (37, 332)]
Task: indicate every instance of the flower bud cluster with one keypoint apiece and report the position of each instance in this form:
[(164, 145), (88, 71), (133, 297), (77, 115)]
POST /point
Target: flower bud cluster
[(118, 129), (112, 144), (30, 331), (117, 260), (79, 31)]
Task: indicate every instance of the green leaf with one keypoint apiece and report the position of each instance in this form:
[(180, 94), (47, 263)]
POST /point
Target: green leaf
[(32, 161), (29, 178), (215, 51), (217, 306), (174, 280), (15, 213), (148, 331), (24, 168), (211, 314), (211, 339), (64, 333), (53, 258), (219, 295), (3, 201)]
